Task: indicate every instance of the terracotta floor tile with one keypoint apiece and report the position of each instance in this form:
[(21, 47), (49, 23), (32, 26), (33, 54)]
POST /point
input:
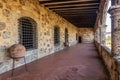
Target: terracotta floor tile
[(80, 62)]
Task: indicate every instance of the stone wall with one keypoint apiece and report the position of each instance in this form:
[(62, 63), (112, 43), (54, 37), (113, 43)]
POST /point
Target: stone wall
[(86, 34), (111, 63), (12, 10)]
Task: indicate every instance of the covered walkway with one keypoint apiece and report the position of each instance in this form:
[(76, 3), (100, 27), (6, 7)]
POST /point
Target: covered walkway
[(80, 62)]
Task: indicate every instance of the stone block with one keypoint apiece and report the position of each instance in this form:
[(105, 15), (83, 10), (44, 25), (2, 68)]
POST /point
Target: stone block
[(2, 26), (3, 68), (15, 0), (34, 56), (22, 2), (1, 5), (5, 1), (5, 35), (8, 7), (2, 48), (6, 12), (28, 59)]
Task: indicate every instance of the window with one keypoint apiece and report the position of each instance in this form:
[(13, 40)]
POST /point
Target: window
[(56, 35), (108, 31), (27, 32), (66, 35), (76, 36)]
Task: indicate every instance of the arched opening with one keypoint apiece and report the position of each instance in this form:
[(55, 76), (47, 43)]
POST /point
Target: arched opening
[(27, 32), (56, 36), (80, 39), (66, 35), (108, 29), (76, 36)]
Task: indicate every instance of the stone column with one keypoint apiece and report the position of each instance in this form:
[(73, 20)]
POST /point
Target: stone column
[(99, 28), (103, 34), (98, 34), (115, 17), (95, 35)]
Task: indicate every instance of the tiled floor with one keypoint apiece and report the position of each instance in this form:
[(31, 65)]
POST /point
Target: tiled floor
[(80, 62)]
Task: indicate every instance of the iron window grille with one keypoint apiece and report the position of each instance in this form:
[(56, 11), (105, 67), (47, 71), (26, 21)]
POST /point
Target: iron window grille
[(56, 36), (66, 35), (27, 32)]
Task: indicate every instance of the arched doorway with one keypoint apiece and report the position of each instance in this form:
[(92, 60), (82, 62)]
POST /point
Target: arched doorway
[(66, 35), (80, 39)]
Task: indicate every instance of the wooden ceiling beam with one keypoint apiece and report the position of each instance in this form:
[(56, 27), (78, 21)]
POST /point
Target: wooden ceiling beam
[(83, 23), (43, 0), (79, 19), (77, 10), (76, 7), (65, 2), (81, 13), (81, 8), (76, 14), (70, 14), (72, 5), (50, 1)]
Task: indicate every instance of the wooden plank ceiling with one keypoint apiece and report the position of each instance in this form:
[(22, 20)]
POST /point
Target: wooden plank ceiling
[(81, 13)]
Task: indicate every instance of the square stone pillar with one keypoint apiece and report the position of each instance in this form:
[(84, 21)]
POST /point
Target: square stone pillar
[(115, 17)]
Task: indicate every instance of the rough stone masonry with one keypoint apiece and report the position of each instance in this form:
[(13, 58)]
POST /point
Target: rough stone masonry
[(12, 10)]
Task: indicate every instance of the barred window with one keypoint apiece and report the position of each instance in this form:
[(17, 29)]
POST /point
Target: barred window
[(76, 36), (66, 35), (27, 32), (56, 36)]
